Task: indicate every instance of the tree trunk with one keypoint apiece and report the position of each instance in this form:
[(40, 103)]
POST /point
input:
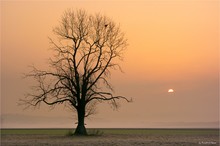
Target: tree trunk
[(80, 129)]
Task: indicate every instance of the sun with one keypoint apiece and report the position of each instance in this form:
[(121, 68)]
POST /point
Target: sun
[(170, 91)]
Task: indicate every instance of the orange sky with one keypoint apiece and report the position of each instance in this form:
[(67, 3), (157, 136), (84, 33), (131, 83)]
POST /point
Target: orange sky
[(172, 44)]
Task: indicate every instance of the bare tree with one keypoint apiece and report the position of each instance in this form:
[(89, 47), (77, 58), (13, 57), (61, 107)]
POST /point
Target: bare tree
[(88, 47)]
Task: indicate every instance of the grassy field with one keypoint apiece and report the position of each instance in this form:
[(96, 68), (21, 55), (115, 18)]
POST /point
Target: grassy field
[(111, 137), (116, 131)]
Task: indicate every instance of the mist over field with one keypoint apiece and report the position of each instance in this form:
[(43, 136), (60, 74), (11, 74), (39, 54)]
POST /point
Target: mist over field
[(26, 121)]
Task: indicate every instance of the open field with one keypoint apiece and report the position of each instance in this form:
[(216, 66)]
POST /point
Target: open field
[(111, 137)]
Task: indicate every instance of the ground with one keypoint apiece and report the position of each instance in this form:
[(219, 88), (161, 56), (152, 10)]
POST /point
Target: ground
[(112, 139)]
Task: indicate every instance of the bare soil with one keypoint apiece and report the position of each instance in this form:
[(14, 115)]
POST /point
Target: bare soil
[(109, 140)]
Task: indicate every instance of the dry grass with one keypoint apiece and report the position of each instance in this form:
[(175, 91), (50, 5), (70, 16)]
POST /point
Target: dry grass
[(114, 138)]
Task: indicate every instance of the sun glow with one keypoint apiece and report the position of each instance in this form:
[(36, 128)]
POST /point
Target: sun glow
[(170, 90)]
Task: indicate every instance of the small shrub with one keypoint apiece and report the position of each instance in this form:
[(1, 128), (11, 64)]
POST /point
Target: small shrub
[(70, 133), (95, 132)]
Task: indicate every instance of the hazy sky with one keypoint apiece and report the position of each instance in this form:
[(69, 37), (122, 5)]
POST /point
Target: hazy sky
[(172, 44)]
